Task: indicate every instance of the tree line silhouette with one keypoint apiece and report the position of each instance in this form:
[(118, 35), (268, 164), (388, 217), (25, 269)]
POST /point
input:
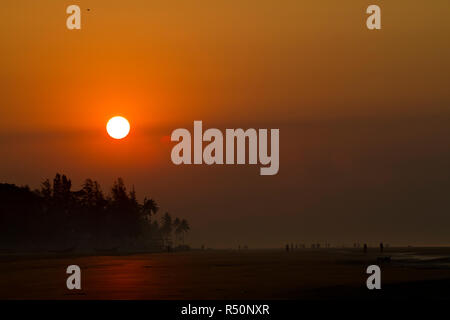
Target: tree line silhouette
[(55, 217)]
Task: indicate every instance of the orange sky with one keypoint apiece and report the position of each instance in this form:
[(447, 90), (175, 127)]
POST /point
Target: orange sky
[(309, 67), (163, 61)]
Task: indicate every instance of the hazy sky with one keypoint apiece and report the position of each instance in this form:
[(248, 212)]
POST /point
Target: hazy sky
[(364, 116)]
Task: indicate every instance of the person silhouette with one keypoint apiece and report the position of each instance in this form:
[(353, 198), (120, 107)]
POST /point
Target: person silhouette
[(381, 247), (365, 248)]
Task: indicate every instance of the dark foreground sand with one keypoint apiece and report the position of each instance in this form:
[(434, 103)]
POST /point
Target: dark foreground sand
[(216, 274)]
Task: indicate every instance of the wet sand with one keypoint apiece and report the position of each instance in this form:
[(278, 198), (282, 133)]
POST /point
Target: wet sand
[(230, 274)]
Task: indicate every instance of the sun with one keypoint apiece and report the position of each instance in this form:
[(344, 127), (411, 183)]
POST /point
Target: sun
[(118, 127)]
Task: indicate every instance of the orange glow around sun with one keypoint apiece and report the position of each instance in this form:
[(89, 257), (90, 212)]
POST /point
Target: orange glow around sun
[(118, 127)]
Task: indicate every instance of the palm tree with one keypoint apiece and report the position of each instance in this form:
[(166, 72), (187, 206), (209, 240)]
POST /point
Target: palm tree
[(166, 227), (176, 227), (184, 227), (148, 208)]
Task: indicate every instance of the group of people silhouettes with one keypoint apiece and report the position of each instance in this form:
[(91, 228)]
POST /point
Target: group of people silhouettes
[(290, 247)]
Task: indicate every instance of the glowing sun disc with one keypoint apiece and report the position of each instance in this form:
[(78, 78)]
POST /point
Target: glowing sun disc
[(118, 127)]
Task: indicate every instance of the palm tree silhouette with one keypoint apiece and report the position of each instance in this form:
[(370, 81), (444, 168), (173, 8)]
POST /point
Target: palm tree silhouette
[(149, 207), (166, 228), (184, 227), (176, 227)]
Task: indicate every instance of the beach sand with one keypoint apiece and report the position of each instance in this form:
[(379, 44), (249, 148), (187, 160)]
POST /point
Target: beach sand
[(230, 274)]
